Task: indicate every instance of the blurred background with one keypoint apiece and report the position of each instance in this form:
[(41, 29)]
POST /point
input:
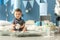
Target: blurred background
[(37, 10)]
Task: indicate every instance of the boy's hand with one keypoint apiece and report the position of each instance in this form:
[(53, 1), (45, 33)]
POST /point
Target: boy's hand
[(13, 25)]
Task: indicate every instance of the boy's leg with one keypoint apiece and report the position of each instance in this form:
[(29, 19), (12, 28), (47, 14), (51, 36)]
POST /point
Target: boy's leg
[(23, 29), (13, 29)]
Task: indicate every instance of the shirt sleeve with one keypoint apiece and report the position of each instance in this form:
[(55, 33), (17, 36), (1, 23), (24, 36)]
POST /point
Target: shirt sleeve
[(13, 22), (22, 22)]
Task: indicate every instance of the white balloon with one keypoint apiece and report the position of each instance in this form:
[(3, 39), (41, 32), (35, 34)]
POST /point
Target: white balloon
[(27, 11)]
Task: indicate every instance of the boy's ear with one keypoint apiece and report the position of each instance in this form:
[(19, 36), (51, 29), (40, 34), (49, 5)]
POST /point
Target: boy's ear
[(22, 15)]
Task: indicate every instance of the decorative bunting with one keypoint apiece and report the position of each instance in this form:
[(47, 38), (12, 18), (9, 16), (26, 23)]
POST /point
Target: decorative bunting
[(45, 1), (38, 1), (25, 3), (31, 2), (12, 2), (5, 1)]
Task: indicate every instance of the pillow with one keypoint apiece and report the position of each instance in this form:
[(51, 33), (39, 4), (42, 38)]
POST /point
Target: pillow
[(37, 23), (30, 22), (5, 28), (19, 34), (30, 27), (3, 23)]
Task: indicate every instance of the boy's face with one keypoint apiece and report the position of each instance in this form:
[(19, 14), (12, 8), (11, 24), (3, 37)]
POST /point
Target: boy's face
[(17, 14)]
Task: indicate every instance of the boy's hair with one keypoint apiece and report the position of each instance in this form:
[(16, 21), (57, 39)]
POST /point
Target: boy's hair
[(18, 10)]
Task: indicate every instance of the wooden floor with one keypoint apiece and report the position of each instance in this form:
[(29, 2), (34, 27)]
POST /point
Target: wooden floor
[(55, 37)]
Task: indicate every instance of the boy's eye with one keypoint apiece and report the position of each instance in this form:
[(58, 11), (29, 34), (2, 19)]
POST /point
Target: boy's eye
[(17, 14)]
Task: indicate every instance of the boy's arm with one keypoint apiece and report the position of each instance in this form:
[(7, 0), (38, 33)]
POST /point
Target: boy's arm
[(22, 26), (13, 26)]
